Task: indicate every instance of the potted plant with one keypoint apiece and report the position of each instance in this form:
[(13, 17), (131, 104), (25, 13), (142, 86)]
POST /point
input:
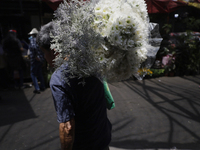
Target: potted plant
[(169, 66), (168, 54), (188, 54)]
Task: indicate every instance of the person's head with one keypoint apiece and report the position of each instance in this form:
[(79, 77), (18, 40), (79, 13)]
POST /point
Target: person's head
[(48, 55), (12, 33), (33, 32), (44, 39)]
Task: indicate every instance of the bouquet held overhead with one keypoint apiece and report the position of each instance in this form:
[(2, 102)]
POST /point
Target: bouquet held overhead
[(109, 39)]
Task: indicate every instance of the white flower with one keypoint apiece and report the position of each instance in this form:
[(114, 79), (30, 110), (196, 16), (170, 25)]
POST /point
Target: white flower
[(105, 38)]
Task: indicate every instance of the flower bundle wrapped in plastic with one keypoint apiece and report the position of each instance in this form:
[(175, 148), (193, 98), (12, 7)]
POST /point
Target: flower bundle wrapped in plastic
[(107, 39)]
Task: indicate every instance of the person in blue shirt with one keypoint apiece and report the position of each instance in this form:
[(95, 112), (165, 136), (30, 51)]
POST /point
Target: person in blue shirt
[(81, 109), (36, 62)]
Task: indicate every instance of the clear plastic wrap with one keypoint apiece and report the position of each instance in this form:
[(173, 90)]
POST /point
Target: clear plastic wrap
[(155, 40)]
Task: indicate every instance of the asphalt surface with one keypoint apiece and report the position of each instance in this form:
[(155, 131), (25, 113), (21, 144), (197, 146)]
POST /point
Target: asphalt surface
[(153, 114)]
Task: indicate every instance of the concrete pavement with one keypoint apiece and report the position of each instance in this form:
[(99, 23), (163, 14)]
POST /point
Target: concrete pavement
[(153, 114)]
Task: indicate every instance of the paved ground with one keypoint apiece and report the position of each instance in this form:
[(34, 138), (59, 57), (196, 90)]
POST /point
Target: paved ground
[(155, 114)]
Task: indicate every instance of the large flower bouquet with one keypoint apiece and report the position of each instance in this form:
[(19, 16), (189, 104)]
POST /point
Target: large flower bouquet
[(109, 39)]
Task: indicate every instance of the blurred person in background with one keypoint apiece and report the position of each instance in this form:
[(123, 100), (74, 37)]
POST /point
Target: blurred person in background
[(3, 72), (36, 62), (13, 53)]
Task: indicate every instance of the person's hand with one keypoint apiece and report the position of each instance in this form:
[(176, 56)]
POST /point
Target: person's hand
[(38, 59), (66, 131)]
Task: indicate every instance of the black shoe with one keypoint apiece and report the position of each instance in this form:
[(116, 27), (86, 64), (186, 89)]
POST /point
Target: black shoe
[(36, 91)]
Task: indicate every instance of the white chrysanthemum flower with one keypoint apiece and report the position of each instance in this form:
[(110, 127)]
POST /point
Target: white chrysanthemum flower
[(141, 52), (105, 38)]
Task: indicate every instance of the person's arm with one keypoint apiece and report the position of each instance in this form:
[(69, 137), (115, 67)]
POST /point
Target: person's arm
[(20, 46), (21, 49), (66, 131), (65, 113)]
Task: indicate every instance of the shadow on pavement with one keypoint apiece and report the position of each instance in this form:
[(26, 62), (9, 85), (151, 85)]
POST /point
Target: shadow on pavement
[(28, 121), (142, 144), (176, 101), (14, 107), (195, 79)]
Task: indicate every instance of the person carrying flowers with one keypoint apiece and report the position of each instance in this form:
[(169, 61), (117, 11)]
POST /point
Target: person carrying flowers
[(81, 109), (90, 42)]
